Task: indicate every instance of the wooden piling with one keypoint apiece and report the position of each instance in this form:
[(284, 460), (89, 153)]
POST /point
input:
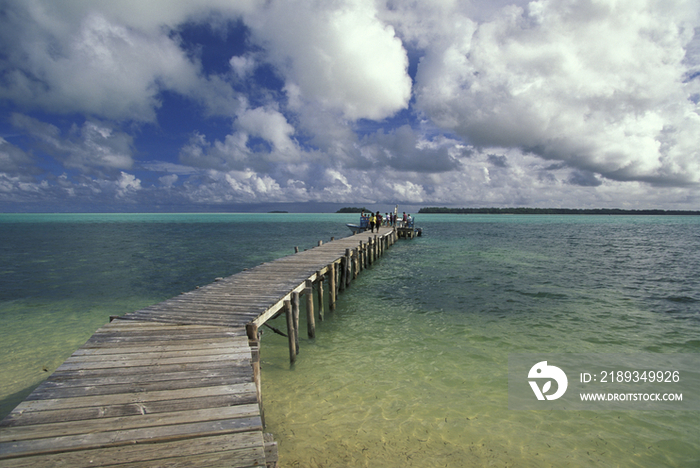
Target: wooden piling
[(365, 255), (341, 274), (290, 331), (295, 314), (254, 343), (310, 321), (319, 291), (348, 268), (331, 286), (355, 263), (360, 266)]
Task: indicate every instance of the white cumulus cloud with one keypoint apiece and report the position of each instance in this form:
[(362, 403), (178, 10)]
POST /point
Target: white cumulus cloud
[(601, 85), (127, 183), (338, 55), (269, 124)]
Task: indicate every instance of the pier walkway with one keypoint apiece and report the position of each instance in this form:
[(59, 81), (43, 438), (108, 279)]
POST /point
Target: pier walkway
[(178, 383)]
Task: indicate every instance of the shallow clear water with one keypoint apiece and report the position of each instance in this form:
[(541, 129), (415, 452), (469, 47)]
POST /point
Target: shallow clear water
[(411, 368)]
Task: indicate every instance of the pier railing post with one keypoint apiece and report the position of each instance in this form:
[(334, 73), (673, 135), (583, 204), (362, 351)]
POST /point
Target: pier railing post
[(254, 343), (348, 268), (290, 331), (365, 254), (310, 321), (360, 258), (295, 314), (320, 295), (331, 286), (355, 263), (342, 273)]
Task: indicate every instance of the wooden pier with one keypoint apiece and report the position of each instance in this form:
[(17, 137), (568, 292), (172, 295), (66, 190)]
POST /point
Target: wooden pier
[(178, 383)]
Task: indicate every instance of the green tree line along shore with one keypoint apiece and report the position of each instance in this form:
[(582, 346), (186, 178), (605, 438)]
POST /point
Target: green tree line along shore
[(352, 209), (554, 211)]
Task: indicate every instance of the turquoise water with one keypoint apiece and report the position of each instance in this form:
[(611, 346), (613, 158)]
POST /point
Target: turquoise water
[(411, 369)]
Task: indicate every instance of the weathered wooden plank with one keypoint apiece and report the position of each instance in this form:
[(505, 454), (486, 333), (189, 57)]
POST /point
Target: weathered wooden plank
[(203, 314), (81, 364), (199, 312), (205, 317), (251, 297), (28, 418), (129, 436), (202, 307), (184, 332), (142, 370), (154, 421), (167, 347), (197, 307), (105, 335), (117, 338), (236, 450), (155, 354), (218, 333), (134, 398), (46, 391), (174, 319), (234, 324), (61, 380)]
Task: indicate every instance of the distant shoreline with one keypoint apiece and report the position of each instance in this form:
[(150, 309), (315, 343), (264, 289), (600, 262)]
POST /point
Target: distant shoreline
[(555, 211)]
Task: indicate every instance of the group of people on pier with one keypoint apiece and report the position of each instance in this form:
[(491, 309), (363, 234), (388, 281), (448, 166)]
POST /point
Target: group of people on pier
[(376, 220)]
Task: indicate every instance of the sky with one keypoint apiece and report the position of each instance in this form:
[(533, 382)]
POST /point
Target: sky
[(308, 105)]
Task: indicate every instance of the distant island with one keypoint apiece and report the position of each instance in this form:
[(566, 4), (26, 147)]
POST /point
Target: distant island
[(276, 211), (555, 211), (352, 209)]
